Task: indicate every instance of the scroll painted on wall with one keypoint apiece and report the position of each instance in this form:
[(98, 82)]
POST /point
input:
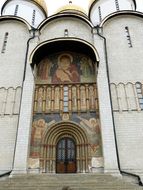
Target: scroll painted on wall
[(66, 67)]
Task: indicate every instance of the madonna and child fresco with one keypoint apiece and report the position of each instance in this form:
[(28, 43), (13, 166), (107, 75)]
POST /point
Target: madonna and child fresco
[(41, 123), (66, 68), (76, 99)]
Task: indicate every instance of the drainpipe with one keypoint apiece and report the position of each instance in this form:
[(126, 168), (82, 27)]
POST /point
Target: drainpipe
[(115, 135), (25, 66)]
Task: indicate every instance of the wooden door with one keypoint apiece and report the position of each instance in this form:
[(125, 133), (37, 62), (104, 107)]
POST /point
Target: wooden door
[(66, 156)]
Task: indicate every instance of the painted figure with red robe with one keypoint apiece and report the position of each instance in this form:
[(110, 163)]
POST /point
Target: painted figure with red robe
[(67, 72)]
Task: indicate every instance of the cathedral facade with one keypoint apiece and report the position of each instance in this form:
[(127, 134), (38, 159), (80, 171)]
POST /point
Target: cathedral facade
[(71, 95)]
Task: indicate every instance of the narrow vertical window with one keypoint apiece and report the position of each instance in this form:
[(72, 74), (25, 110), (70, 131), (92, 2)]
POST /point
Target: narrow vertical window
[(66, 32), (128, 36), (33, 17), (139, 91), (16, 10), (117, 5), (4, 42), (99, 12), (66, 99)]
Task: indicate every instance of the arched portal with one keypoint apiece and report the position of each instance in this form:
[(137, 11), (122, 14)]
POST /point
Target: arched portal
[(65, 132), (65, 108)]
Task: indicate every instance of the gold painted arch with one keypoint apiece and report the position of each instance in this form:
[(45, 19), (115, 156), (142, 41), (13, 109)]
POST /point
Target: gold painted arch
[(50, 139)]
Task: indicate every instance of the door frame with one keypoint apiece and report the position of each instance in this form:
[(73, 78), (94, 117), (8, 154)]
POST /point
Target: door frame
[(67, 160), (48, 146)]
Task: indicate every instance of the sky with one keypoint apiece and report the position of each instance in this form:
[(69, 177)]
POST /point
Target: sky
[(53, 4)]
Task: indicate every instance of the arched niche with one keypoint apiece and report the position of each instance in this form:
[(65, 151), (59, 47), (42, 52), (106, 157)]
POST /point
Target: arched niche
[(65, 103), (51, 138), (63, 44)]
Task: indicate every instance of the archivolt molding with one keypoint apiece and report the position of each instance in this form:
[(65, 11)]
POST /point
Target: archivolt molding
[(53, 133), (119, 13), (63, 15), (95, 1), (62, 40), (19, 19), (50, 140)]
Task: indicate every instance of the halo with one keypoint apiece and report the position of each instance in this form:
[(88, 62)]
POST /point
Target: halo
[(65, 54), (93, 119)]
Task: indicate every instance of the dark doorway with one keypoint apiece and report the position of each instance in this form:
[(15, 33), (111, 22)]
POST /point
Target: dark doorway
[(66, 156)]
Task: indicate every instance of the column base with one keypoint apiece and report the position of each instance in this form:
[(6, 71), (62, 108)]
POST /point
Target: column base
[(18, 172), (115, 173)]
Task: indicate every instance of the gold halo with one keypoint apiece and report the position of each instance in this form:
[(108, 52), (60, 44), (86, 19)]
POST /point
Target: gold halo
[(65, 54)]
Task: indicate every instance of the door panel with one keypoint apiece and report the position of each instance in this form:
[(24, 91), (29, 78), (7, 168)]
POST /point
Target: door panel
[(61, 167), (71, 167), (66, 156)]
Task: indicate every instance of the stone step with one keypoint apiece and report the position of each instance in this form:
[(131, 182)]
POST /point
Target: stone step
[(59, 181), (65, 177)]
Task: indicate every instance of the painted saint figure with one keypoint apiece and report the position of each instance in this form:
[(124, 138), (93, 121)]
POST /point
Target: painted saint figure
[(66, 71), (85, 67), (44, 67), (38, 128)]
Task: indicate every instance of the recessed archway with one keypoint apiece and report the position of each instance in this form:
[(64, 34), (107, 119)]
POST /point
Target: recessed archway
[(52, 136), (65, 104), (63, 44)]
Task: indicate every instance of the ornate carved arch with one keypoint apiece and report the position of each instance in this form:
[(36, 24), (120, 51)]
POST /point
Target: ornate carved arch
[(52, 136)]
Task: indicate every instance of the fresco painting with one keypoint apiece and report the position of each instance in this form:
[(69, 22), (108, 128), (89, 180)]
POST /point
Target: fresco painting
[(92, 126), (65, 91), (38, 127), (66, 70), (43, 70), (87, 121), (65, 67)]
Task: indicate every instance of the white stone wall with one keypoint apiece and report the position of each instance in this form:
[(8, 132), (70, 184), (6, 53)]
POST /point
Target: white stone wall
[(125, 63), (129, 128), (125, 97), (75, 26), (12, 62), (105, 113), (10, 101), (25, 124), (8, 127), (25, 118), (125, 69)]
